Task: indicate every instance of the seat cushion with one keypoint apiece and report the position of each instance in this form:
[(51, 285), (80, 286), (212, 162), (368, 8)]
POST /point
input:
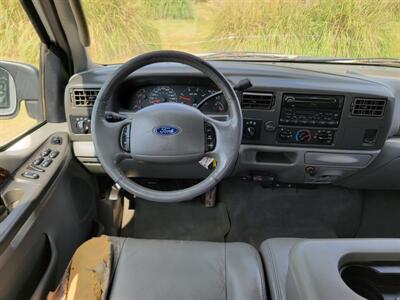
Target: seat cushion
[(172, 270), (275, 254), (125, 268)]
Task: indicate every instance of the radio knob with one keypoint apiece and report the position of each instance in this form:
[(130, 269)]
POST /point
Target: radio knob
[(290, 100)]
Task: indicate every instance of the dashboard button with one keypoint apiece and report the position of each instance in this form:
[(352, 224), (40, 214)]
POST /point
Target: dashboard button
[(210, 137), (125, 138)]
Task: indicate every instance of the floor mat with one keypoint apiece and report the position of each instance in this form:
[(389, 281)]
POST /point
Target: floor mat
[(189, 220), (258, 213), (381, 215)]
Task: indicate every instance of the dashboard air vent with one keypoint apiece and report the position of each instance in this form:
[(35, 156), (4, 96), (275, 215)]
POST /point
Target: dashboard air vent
[(84, 97), (368, 107), (262, 101)]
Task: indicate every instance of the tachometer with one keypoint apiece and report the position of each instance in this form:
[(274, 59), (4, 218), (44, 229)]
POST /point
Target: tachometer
[(162, 94), (140, 100)]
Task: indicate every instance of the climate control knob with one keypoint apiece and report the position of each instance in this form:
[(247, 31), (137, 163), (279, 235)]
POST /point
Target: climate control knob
[(303, 136)]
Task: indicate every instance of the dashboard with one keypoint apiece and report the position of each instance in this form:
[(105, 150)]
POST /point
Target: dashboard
[(302, 122), (190, 95)]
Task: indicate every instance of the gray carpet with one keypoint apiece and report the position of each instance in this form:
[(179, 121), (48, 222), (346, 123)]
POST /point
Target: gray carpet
[(246, 212), (180, 221), (258, 213), (381, 215)]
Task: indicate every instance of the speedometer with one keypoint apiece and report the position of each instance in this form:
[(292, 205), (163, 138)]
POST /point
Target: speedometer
[(162, 94)]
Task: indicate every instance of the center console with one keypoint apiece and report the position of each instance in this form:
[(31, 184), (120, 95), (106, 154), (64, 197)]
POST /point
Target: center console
[(309, 119), (351, 269)]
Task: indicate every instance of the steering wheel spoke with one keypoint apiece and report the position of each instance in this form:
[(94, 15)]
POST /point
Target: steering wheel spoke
[(117, 145)]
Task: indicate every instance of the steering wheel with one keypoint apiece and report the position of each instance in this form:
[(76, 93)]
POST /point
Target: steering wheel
[(166, 133)]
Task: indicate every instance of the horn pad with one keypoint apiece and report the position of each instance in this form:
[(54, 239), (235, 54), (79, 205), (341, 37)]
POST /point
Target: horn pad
[(168, 133)]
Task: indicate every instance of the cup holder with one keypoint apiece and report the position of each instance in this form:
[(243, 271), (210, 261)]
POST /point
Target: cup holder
[(373, 281)]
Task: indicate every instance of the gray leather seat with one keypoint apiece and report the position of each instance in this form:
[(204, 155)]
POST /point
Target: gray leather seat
[(173, 270), (275, 254)]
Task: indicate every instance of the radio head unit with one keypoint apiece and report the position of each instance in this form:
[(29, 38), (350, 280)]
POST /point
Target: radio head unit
[(311, 110)]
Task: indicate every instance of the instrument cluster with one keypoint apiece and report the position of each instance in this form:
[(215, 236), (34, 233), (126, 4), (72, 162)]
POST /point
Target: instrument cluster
[(190, 95)]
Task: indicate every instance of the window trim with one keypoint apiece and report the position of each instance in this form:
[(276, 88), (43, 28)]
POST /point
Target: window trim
[(21, 136)]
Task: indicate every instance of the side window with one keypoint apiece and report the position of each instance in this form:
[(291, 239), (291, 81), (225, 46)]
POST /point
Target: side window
[(20, 101)]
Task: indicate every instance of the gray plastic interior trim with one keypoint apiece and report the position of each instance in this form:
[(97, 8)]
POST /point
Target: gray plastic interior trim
[(337, 159), (290, 171), (314, 265), (19, 194), (288, 162), (43, 19), (15, 155)]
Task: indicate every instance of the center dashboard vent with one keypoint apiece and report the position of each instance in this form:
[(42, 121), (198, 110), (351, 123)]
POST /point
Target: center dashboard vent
[(368, 107), (84, 97), (255, 100)]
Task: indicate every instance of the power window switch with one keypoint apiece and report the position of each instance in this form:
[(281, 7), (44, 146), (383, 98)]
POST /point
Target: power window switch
[(30, 175), (46, 152), (54, 154), (46, 163), (35, 168), (37, 161)]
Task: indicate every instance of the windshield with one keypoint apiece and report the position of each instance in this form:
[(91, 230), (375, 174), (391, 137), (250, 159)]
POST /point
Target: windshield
[(244, 28)]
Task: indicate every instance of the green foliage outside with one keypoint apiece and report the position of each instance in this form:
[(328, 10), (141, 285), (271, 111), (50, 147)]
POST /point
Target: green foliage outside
[(169, 9), (122, 29), (117, 30), (18, 39), (342, 28)]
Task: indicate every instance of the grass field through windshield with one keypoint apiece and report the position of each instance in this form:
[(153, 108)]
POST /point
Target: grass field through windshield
[(122, 29), (339, 28)]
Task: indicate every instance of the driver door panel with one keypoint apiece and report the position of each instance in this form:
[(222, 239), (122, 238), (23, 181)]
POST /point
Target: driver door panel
[(47, 219)]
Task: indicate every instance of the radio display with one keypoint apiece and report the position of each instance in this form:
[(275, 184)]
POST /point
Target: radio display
[(311, 110), (311, 102)]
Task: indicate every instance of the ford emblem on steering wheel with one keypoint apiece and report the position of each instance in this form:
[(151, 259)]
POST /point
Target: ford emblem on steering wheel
[(166, 130)]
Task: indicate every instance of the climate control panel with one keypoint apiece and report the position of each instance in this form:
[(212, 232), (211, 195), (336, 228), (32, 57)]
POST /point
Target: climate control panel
[(294, 135)]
